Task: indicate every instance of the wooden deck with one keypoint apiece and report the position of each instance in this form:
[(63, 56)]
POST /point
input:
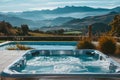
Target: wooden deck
[(7, 57)]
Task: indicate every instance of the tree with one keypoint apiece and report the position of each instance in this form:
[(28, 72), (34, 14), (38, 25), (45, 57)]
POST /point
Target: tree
[(25, 29), (5, 28), (115, 25), (60, 31)]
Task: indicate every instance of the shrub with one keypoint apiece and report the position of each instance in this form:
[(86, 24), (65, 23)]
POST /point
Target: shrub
[(107, 45), (85, 44), (18, 47), (118, 50), (22, 47), (11, 48)]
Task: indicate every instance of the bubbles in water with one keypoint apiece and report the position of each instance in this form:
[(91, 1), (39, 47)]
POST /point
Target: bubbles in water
[(46, 61), (64, 64), (69, 68)]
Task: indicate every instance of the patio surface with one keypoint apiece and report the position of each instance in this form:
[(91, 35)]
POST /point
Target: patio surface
[(7, 57)]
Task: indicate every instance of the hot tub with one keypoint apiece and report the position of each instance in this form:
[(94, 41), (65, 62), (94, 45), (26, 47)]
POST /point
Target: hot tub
[(77, 64)]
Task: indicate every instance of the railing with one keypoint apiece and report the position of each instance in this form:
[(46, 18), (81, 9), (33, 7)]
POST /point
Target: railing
[(51, 38), (30, 38)]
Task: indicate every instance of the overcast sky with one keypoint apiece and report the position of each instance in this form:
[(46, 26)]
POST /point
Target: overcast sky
[(28, 5)]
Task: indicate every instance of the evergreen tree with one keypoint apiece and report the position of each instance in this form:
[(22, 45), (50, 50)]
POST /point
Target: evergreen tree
[(25, 29)]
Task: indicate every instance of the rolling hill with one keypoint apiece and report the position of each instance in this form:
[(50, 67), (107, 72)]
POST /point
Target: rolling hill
[(78, 23), (99, 23), (16, 21)]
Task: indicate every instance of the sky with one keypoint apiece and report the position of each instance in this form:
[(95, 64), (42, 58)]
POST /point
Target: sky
[(29, 5)]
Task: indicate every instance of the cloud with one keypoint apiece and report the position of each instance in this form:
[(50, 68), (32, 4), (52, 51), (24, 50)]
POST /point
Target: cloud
[(5, 0), (25, 5)]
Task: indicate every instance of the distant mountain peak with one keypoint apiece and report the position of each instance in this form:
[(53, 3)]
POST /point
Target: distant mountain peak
[(116, 9)]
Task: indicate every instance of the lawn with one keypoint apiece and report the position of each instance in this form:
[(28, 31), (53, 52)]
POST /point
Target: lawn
[(73, 32), (2, 41), (40, 34)]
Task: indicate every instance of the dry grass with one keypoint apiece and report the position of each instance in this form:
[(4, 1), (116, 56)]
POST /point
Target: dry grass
[(14, 31), (40, 34), (18, 47), (85, 44), (118, 50), (107, 45)]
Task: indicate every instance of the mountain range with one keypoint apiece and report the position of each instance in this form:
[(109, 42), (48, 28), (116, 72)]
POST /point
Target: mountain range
[(16, 21), (76, 23), (60, 16), (100, 23)]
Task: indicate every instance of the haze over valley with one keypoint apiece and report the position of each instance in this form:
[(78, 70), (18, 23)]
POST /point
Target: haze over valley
[(56, 17)]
